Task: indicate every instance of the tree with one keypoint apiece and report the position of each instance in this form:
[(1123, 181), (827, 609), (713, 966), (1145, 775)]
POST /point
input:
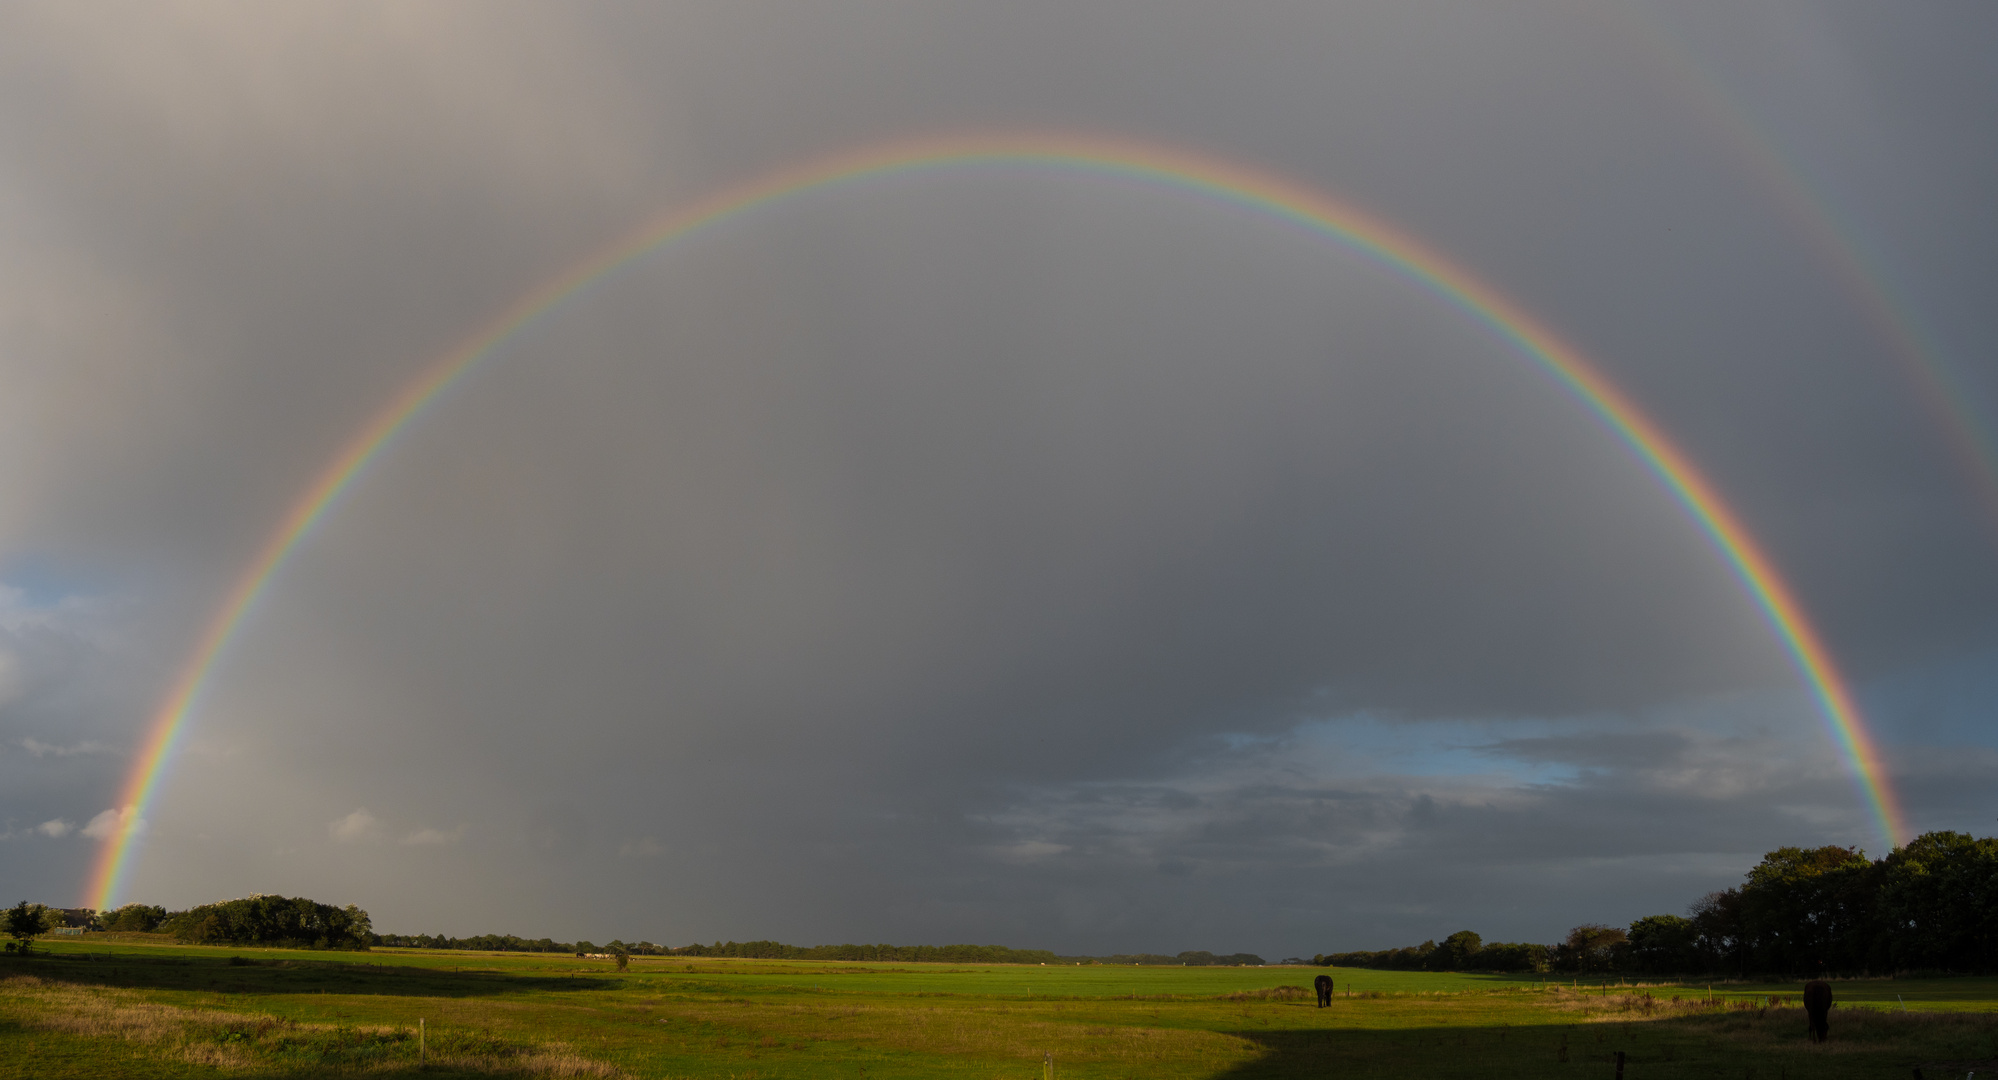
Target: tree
[(1807, 910), (1718, 931), (1511, 956), (1458, 952), (1938, 903), (25, 922), (1593, 947), (134, 918), (274, 920), (353, 924), (1664, 943), (1418, 958)]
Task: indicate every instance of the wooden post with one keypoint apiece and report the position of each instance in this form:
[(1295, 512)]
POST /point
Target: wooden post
[(419, 1042), (1619, 1065)]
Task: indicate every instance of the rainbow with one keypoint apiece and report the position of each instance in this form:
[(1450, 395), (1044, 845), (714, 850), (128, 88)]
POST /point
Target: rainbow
[(1166, 168), (1909, 344)]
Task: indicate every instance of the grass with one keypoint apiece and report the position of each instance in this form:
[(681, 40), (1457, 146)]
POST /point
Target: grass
[(135, 1007)]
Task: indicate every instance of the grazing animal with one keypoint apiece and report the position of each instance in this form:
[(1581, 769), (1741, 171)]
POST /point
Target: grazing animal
[(1324, 985), (1818, 1002)]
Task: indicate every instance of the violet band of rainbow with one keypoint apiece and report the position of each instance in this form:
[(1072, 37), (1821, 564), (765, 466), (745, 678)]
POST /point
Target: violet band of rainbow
[(1159, 166)]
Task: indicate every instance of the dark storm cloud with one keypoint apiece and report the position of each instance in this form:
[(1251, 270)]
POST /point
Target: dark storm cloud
[(1023, 556)]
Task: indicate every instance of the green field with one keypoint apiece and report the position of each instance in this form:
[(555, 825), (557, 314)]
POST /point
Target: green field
[(134, 1008)]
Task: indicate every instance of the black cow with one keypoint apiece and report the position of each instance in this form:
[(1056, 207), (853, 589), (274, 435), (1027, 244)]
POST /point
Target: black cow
[(1818, 1002), (1324, 985)]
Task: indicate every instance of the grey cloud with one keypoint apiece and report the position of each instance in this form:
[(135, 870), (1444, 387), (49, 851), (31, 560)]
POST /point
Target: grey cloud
[(1632, 750), (991, 557)]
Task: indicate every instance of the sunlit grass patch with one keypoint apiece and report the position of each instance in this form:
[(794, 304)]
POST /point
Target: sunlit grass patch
[(1274, 993), (985, 1030), (290, 1014), (236, 1041)]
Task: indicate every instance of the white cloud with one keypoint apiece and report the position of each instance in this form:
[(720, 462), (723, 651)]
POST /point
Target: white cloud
[(357, 826), (361, 825), (19, 613), (1027, 851), (41, 749), (109, 823), (57, 827)]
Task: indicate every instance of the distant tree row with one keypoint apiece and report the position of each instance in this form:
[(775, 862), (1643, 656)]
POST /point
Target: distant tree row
[(482, 943), (907, 954), (1461, 951), (1929, 906), (255, 920), (777, 950), (948, 954), (1192, 958), (272, 920), (299, 922)]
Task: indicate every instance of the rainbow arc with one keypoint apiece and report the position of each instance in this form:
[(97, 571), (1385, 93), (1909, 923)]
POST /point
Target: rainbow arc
[(1167, 168)]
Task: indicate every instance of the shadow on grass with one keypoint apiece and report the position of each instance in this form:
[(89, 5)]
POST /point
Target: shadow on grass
[(1764, 1044), (226, 974), (1425, 1051)]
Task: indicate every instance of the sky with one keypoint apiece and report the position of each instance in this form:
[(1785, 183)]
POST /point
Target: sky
[(1014, 555)]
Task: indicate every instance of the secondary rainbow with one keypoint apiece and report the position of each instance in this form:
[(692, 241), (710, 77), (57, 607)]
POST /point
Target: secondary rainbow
[(1931, 378), (1248, 189)]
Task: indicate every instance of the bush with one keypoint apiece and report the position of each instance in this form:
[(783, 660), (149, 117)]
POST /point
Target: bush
[(25, 922)]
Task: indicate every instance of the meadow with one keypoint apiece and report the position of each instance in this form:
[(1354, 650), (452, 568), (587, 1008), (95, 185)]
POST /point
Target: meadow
[(129, 1005)]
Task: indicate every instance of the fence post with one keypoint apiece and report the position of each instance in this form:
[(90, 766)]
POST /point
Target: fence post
[(1619, 1065)]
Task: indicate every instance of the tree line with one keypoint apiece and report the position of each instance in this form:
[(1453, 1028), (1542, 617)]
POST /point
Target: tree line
[(1190, 958), (290, 921), (907, 954), (1461, 951), (1931, 905), (485, 943), (949, 954), (298, 922)]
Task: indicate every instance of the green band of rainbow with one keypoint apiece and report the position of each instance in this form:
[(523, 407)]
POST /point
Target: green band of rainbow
[(1169, 168)]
